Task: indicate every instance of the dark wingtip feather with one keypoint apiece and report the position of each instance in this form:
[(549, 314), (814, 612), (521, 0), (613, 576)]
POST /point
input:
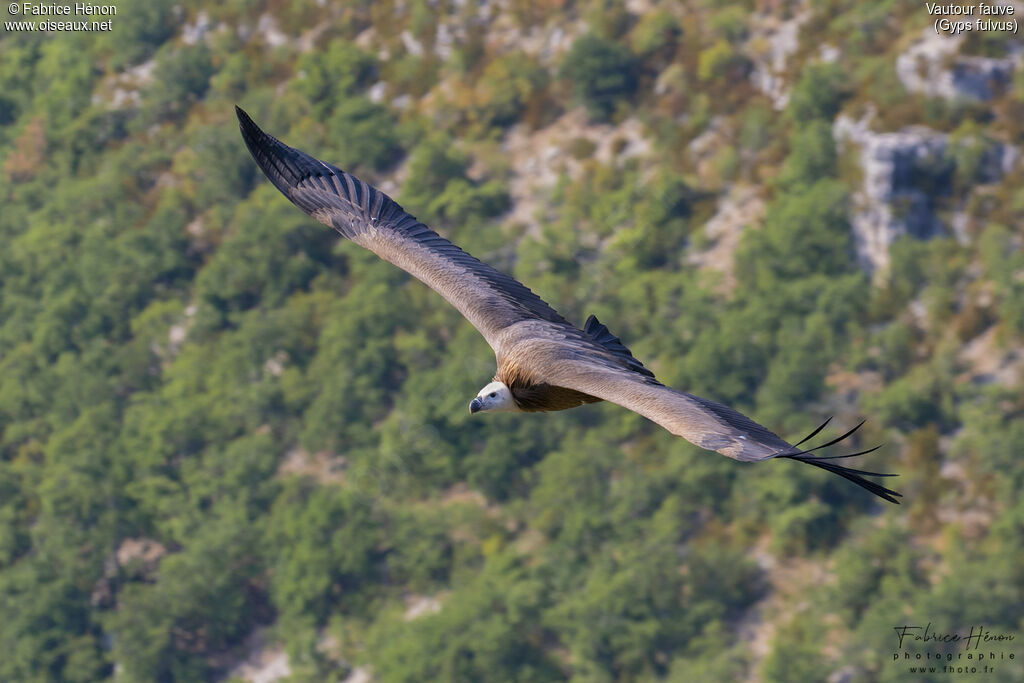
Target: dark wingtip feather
[(251, 133), (855, 477), (848, 473), (814, 433), (849, 455), (284, 166), (838, 438)]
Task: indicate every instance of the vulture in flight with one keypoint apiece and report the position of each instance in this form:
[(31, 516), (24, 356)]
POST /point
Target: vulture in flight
[(544, 362)]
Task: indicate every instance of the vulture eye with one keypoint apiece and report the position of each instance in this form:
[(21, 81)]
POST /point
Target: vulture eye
[(491, 395)]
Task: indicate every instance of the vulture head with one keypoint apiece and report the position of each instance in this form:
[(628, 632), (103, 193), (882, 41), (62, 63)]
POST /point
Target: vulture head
[(494, 398)]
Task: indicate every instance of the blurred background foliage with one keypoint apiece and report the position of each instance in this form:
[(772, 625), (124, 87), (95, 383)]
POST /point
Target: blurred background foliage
[(231, 440)]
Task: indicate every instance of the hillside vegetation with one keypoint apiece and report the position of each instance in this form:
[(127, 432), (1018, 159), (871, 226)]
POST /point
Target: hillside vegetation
[(228, 436)]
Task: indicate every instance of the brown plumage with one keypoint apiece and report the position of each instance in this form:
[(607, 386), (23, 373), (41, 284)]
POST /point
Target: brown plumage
[(544, 362), (532, 396)]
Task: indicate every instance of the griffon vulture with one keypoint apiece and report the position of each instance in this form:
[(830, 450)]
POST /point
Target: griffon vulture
[(544, 362)]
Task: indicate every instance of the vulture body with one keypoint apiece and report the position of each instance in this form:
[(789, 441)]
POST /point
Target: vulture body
[(544, 363)]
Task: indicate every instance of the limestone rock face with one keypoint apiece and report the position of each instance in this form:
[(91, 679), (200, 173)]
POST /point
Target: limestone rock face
[(776, 41), (906, 174), (932, 66)]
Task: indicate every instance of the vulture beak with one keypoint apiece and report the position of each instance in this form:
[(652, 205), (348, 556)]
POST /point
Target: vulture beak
[(475, 405)]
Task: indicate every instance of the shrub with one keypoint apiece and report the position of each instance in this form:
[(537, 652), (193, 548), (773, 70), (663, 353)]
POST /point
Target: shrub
[(818, 94), (601, 73)]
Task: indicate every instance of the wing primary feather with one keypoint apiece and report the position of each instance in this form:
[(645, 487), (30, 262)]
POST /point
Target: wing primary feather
[(278, 161), (854, 476), (352, 188), (866, 473), (837, 439), (848, 455), (814, 433)]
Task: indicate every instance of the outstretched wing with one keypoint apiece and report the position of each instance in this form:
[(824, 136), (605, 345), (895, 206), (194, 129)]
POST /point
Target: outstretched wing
[(700, 421), (489, 299)]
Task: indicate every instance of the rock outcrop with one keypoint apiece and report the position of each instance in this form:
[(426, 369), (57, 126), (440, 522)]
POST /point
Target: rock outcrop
[(933, 66), (906, 174)]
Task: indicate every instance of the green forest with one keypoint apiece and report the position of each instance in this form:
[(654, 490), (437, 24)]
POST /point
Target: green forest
[(230, 439)]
